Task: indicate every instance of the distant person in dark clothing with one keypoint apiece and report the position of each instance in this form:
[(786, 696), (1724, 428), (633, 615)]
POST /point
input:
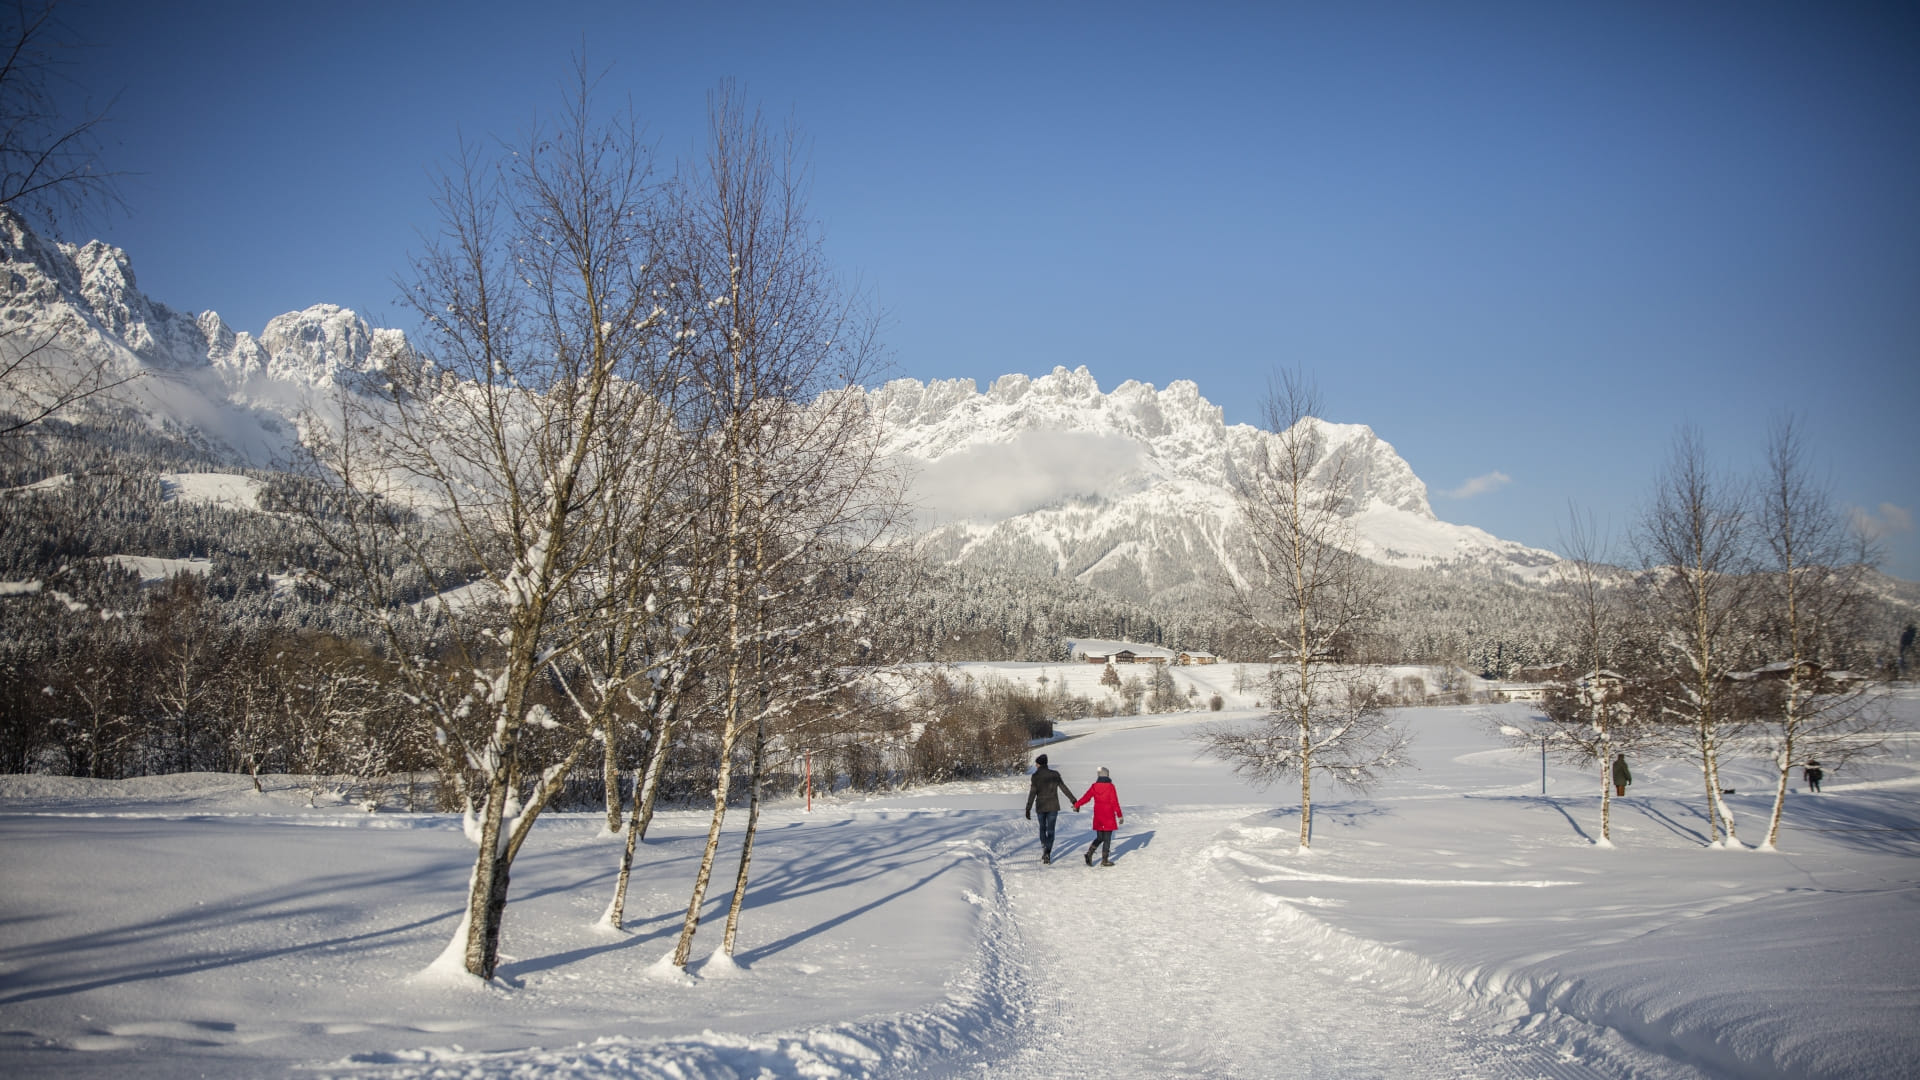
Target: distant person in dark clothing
[(1107, 816), (1043, 793), (1622, 776), (1813, 772)]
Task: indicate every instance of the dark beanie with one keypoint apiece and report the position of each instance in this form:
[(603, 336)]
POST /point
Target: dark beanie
[(1041, 761)]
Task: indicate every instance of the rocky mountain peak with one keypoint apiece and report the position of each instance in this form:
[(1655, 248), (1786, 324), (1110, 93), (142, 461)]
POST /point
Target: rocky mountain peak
[(235, 389), (1134, 490), (1366, 469), (1176, 430), (316, 344)]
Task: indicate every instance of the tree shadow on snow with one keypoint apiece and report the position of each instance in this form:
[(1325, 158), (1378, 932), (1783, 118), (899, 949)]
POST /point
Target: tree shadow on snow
[(115, 957), (843, 860), (1560, 805), (514, 972), (791, 862), (755, 955), (920, 845), (1863, 821), (1346, 815), (1650, 809), (1645, 806)]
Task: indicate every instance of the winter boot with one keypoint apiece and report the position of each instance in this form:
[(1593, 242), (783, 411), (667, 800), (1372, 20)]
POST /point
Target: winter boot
[(1106, 862), (1089, 856)]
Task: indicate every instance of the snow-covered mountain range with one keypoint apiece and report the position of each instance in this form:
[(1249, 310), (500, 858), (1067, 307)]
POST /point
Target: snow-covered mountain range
[(1132, 490), (1129, 490), (237, 393)]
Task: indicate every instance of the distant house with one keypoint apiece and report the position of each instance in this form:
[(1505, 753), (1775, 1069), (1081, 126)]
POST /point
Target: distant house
[(1187, 657), (1782, 670), (1522, 691), (1094, 651), (1813, 674)]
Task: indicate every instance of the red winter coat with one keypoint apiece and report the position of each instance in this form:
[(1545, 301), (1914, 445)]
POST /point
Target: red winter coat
[(1106, 806)]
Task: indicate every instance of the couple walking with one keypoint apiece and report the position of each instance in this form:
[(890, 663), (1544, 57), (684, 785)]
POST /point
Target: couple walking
[(1043, 794)]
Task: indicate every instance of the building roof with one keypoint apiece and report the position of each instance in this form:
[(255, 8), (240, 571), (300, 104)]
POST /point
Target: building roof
[(1085, 647)]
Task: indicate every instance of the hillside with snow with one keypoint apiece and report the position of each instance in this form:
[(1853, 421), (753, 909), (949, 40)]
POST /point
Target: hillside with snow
[(1133, 490)]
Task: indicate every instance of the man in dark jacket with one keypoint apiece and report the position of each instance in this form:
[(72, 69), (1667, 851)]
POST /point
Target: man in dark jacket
[(1043, 793)]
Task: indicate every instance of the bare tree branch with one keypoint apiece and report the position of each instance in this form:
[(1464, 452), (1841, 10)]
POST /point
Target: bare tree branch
[(1312, 596)]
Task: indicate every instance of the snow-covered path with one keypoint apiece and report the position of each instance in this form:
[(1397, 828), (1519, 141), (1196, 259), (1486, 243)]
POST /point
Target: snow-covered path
[(1158, 967)]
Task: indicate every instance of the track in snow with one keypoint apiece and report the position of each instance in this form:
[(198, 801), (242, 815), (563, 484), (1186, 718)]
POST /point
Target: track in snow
[(1161, 966), (1165, 965)]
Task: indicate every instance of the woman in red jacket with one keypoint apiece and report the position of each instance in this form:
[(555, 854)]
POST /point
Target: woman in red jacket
[(1107, 816)]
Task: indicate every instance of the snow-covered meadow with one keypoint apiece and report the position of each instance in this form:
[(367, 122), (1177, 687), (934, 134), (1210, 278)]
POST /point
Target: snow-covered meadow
[(1453, 922)]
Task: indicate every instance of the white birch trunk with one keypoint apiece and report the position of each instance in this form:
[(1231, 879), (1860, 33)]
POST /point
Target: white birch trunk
[(746, 843), (645, 789)]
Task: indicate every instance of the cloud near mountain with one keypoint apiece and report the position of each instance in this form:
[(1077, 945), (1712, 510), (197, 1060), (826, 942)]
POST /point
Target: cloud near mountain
[(1036, 468), (1480, 485)]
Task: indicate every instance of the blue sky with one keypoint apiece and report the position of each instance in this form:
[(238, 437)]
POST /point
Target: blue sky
[(1525, 242)]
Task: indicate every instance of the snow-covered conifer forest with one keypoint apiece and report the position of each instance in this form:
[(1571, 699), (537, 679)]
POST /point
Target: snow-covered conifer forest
[(618, 679)]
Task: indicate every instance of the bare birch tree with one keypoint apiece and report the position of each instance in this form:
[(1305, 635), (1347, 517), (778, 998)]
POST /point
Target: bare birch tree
[(526, 436), (824, 501), (682, 645), (778, 339), (612, 680), (1591, 726), (1814, 589), (1312, 596), (1695, 540)]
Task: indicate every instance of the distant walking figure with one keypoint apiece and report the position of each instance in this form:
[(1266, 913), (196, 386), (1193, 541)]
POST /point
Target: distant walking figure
[(1622, 776), (1044, 792), (1107, 816), (1813, 772)]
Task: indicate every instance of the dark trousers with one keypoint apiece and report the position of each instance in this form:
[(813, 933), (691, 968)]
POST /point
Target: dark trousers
[(1103, 841), (1047, 820)]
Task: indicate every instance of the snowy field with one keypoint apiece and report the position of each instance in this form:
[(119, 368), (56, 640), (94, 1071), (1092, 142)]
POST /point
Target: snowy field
[(1239, 686), (1452, 923)]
